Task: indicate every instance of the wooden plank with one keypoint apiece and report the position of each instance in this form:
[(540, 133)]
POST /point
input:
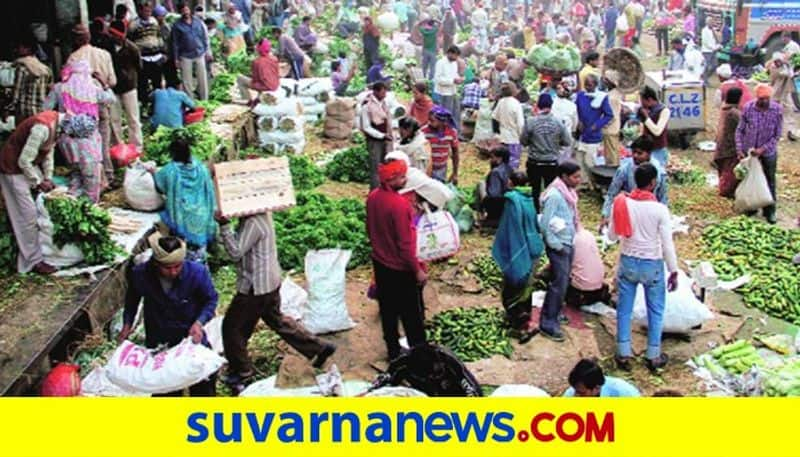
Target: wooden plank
[(246, 187)]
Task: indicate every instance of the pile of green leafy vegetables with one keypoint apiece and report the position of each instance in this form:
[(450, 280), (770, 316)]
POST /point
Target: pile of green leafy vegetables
[(306, 174), (80, 222), (221, 87), (352, 164), (240, 62), (8, 244), (319, 222), (204, 142)]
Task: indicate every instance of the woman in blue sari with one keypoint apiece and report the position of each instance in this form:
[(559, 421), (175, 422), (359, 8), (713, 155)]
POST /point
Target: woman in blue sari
[(189, 199)]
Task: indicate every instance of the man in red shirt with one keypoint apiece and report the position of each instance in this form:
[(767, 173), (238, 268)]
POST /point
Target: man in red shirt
[(443, 138), (264, 70), (399, 276)]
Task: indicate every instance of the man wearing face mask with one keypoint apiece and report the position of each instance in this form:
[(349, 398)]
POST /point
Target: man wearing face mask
[(758, 133), (179, 299)]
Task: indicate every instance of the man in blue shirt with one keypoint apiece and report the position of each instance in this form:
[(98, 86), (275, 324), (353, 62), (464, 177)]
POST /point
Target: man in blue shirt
[(189, 48), (375, 72), (623, 180), (594, 113), (610, 23), (179, 299), (168, 106), (587, 380)]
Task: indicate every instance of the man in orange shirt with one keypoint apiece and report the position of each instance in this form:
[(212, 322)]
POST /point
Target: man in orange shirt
[(421, 105)]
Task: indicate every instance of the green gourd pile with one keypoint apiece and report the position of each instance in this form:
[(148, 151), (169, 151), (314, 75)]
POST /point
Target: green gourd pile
[(472, 334)]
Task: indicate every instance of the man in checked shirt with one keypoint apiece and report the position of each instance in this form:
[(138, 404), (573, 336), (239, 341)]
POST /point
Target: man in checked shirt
[(258, 296)]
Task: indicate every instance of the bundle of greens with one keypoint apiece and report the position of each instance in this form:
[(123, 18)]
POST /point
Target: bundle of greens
[(743, 245), (472, 334), (239, 62), (305, 174), (350, 165), (760, 76), (208, 105), (204, 142), (8, 244), (221, 87), (555, 56), (318, 222), (80, 222)]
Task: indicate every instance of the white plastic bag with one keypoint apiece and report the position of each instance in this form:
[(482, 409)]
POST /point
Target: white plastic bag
[(7, 74), (276, 136), (519, 391), (294, 299), (682, 309), (325, 273), (395, 391), (285, 107), (133, 367), (311, 87), (213, 329), (437, 236), (97, 384), (139, 188), (68, 255), (753, 192)]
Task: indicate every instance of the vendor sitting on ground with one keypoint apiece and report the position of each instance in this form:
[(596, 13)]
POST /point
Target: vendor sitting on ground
[(179, 299), (169, 105), (340, 79), (587, 285), (587, 380), (265, 73), (623, 180), (303, 35), (491, 193), (189, 201), (517, 248)]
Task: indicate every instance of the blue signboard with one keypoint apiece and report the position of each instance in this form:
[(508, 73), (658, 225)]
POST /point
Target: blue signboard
[(685, 104)]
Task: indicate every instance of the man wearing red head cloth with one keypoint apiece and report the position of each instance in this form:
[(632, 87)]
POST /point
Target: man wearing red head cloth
[(265, 71), (399, 276)]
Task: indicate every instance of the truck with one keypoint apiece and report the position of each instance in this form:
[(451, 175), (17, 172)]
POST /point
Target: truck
[(758, 22)]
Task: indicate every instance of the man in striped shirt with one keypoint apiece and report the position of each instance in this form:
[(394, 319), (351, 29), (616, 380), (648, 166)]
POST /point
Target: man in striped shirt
[(443, 138), (258, 296)]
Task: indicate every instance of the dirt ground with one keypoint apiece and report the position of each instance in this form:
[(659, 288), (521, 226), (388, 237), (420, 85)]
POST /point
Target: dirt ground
[(28, 304)]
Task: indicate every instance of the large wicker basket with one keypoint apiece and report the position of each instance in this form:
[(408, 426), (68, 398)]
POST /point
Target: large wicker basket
[(627, 64)]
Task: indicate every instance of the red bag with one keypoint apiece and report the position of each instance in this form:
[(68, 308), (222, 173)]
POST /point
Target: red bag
[(62, 381), (124, 154)]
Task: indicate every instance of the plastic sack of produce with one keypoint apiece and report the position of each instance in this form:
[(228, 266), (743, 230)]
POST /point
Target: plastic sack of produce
[(338, 129), (293, 148), (139, 188), (311, 118), (311, 87), (97, 384), (272, 97), (288, 86), (133, 367), (294, 299), (518, 391), (753, 192), (291, 124), (325, 273), (437, 236), (267, 123), (395, 391), (682, 310), (317, 108), (63, 257), (286, 107), (388, 22), (62, 381), (276, 136), (213, 329)]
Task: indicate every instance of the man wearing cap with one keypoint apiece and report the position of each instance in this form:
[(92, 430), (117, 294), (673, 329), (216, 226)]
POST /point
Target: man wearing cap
[(258, 283), (611, 143), (728, 80), (179, 299), (127, 64), (758, 134), (264, 71), (399, 275), (100, 63), (544, 135), (26, 164)]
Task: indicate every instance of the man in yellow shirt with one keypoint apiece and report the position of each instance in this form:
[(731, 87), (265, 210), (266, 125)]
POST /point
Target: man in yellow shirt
[(591, 66)]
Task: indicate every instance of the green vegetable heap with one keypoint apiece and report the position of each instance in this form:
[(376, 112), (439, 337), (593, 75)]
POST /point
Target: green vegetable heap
[(240, 62), (350, 165), (487, 271), (783, 382), (204, 142), (8, 244), (81, 222), (744, 245), (305, 174), (737, 357), (555, 56), (319, 222), (472, 334), (221, 87)]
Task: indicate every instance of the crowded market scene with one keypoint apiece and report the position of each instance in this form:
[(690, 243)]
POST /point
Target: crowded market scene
[(400, 198)]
